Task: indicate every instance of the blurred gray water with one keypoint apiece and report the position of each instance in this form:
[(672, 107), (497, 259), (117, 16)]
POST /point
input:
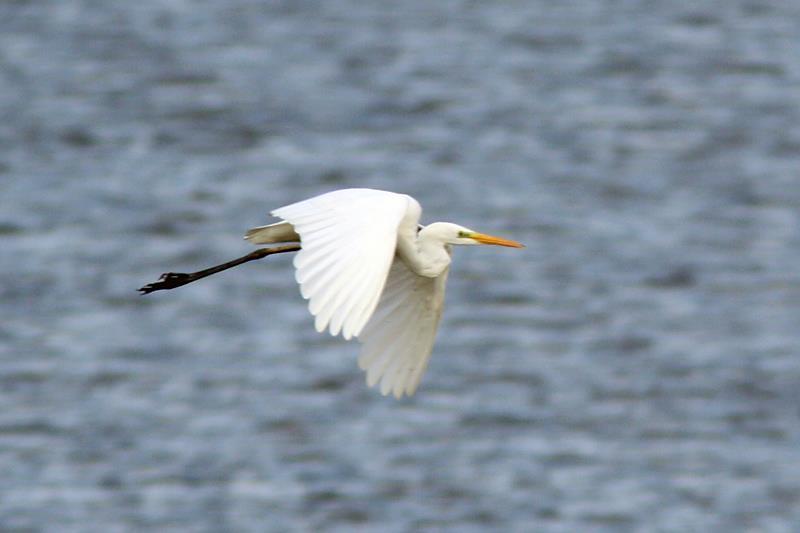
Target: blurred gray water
[(636, 368)]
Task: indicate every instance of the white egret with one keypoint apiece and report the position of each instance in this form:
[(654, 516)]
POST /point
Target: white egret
[(370, 271)]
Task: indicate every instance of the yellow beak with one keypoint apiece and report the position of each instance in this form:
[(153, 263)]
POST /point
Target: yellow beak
[(498, 241)]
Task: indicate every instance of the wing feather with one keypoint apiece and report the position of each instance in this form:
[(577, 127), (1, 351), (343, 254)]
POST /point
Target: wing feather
[(398, 339), (348, 240)]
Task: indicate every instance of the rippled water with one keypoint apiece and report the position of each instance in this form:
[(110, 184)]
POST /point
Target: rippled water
[(636, 368)]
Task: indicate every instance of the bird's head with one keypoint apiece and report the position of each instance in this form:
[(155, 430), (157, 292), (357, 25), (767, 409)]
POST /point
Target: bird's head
[(454, 234)]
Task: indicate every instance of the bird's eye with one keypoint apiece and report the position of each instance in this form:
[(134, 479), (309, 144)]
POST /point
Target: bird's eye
[(463, 235)]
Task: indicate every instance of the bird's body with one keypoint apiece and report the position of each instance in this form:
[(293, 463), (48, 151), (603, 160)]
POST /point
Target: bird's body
[(369, 271)]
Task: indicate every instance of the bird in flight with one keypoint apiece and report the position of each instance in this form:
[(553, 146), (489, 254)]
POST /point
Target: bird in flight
[(369, 270)]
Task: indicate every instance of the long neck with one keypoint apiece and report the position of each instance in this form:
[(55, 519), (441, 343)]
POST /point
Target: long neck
[(425, 254)]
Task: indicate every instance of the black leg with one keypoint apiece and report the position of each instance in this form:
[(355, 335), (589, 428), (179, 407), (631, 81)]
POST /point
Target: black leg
[(172, 280)]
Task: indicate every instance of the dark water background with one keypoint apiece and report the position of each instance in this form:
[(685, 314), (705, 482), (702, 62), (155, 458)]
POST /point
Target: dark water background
[(636, 368)]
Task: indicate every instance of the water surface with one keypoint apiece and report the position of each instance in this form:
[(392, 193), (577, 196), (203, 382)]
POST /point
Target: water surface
[(634, 369)]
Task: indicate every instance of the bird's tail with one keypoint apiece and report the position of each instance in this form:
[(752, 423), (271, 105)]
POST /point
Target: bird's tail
[(272, 233)]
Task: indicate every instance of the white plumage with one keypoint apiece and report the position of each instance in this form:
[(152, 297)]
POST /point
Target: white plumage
[(398, 339), (369, 273)]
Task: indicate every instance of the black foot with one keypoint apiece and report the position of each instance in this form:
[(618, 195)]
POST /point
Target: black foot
[(168, 280)]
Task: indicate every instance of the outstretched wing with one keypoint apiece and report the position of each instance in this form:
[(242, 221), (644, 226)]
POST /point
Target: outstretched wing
[(398, 339), (348, 240)]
